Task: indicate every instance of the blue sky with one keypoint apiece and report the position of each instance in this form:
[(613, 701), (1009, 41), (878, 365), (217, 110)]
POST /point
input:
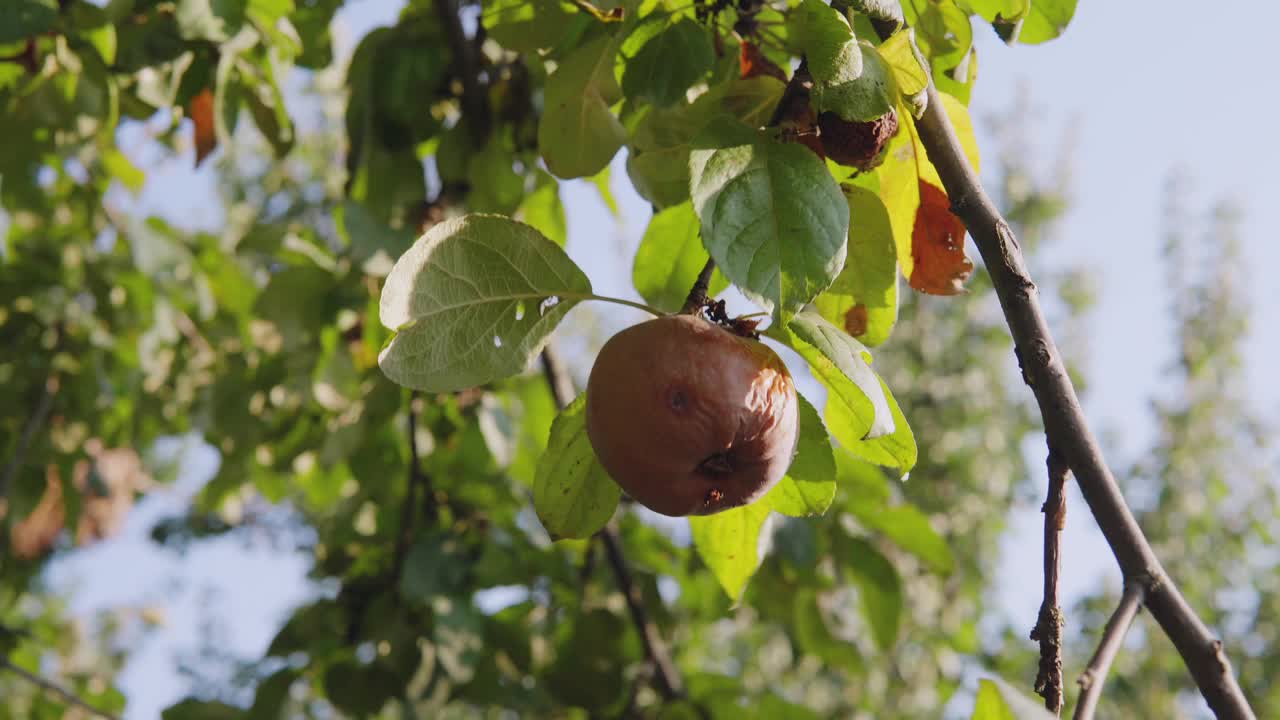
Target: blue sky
[(1142, 89)]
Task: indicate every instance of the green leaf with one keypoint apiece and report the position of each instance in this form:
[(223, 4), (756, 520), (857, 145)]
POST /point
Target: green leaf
[(119, 167), (909, 70), (998, 701), (842, 364), (543, 210), (577, 133), (944, 34), (772, 217), (192, 709), (21, 19), (670, 257), (572, 493), (729, 544), (815, 638), (495, 185), (601, 182), (879, 587), (849, 77), (659, 69), (907, 527), (896, 450), (473, 301), (1046, 21), (526, 25), (864, 297), (434, 566), (810, 484)]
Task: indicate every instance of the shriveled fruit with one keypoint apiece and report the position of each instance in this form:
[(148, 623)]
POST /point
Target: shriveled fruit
[(857, 144), (689, 418)]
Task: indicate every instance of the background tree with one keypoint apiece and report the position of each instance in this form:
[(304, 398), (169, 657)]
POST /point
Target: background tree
[(265, 340)]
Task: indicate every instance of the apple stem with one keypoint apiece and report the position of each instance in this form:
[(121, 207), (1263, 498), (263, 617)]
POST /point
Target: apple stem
[(697, 298)]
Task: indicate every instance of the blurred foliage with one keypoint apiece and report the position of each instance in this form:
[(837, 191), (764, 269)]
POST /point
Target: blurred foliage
[(121, 328)]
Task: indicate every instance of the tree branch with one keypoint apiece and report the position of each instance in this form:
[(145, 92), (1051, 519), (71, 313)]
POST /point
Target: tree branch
[(1064, 419), (475, 102), (51, 687), (1095, 672), (669, 680), (1048, 628), (416, 481)]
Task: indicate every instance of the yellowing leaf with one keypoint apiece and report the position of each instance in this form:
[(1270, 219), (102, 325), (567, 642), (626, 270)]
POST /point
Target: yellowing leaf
[(729, 544)]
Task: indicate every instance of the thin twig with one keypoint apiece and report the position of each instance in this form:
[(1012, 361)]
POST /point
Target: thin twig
[(52, 687), (1048, 629), (1095, 673), (416, 481), (669, 681), (475, 102), (43, 406), (1064, 419)]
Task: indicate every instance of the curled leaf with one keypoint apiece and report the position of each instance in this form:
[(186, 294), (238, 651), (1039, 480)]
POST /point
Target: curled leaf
[(940, 265)]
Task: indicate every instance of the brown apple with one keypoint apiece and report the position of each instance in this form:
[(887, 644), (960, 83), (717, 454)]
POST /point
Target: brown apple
[(690, 418), (857, 144)]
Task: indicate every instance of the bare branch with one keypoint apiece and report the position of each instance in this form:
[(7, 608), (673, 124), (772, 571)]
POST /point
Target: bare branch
[(1095, 672), (1064, 419), (669, 681), (1048, 629), (51, 687), (466, 66)]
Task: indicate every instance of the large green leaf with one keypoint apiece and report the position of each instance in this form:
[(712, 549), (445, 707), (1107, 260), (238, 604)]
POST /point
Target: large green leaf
[(473, 301), (544, 211), (842, 364), (896, 450), (660, 66), (772, 216), (1046, 20), (944, 34), (526, 25), (572, 493), (729, 544), (21, 19), (670, 257), (879, 587), (577, 133), (810, 483), (849, 77), (864, 297)]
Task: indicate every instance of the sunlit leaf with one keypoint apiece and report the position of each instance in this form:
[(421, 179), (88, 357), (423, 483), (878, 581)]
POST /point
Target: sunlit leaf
[(577, 133), (1046, 20), (526, 26), (849, 77), (810, 484), (996, 700), (897, 450), (660, 66), (572, 493), (729, 544), (864, 297), (474, 300), (670, 257)]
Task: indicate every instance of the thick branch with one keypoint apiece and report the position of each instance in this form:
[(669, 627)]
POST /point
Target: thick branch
[(655, 649), (1095, 673), (50, 687), (1048, 629), (1064, 419)]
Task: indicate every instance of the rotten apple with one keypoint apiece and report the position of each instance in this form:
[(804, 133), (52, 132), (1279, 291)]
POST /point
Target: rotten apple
[(690, 418)]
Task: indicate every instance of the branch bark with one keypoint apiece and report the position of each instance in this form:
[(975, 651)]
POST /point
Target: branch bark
[(1095, 673), (1065, 422), (669, 681), (1048, 628), (51, 687)]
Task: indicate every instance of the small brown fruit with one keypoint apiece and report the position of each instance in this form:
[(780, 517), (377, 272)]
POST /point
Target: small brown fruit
[(689, 418), (857, 144)]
